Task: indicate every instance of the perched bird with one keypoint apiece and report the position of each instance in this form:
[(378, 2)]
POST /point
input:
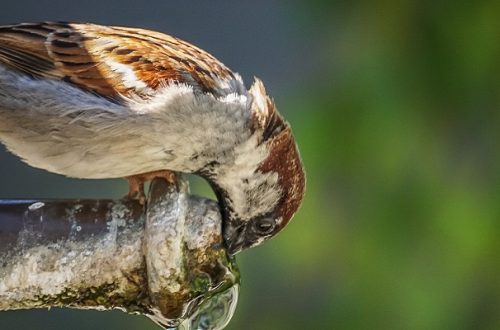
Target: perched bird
[(91, 101)]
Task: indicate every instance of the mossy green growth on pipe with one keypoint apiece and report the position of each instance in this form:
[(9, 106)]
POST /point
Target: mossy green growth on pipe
[(166, 261)]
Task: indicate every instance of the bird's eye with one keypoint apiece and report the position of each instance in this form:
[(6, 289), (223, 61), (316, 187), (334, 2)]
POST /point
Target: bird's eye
[(265, 226)]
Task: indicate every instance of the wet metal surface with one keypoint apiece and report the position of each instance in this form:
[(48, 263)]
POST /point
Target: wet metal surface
[(163, 261)]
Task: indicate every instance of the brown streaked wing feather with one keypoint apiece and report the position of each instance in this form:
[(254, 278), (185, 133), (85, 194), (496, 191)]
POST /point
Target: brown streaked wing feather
[(55, 51), (22, 47), (156, 57), (81, 66), (109, 61)]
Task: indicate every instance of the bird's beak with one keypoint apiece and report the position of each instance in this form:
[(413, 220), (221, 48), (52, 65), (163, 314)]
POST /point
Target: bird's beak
[(234, 237)]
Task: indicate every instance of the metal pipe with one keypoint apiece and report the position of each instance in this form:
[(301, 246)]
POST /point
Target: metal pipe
[(165, 261)]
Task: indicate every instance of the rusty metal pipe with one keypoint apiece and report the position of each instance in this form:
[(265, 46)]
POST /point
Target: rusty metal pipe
[(165, 261)]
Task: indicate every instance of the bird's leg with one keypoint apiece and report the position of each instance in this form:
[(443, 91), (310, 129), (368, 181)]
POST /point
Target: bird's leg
[(136, 189), (136, 183)]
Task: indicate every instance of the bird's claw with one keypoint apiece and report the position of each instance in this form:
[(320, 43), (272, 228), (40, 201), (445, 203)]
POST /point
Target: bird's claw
[(136, 183)]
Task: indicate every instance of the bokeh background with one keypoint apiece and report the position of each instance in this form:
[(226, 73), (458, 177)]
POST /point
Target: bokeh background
[(395, 106)]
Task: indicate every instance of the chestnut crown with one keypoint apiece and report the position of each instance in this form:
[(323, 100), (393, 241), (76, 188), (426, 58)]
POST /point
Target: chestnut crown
[(279, 179)]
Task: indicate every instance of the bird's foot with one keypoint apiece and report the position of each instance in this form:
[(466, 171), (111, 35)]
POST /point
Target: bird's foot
[(136, 189), (136, 183)]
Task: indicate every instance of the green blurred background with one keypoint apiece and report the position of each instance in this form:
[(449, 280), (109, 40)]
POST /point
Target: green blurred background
[(395, 108)]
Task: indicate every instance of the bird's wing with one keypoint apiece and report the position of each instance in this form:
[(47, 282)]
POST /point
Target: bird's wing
[(112, 61)]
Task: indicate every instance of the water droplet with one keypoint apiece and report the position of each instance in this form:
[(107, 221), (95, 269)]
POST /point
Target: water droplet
[(36, 206)]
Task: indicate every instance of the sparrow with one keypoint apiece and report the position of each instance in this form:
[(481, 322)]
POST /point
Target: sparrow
[(92, 101)]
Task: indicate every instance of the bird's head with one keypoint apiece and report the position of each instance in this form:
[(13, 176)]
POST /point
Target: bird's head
[(263, 189)]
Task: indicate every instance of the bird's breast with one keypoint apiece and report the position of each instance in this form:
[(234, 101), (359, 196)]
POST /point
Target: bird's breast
[(57, 127)]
